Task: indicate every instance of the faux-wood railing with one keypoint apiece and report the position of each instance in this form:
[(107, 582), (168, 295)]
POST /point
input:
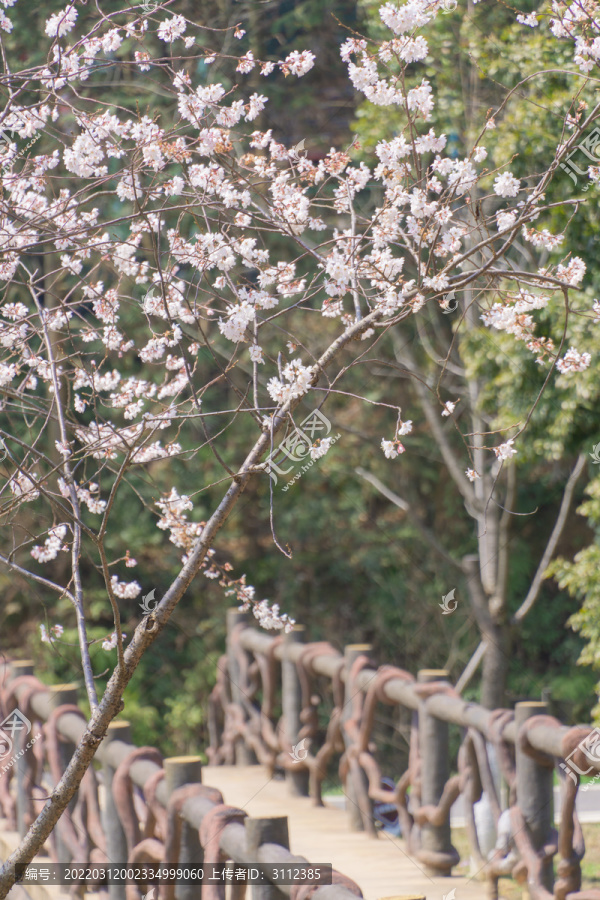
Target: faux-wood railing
[(527, 744), (154, 810)]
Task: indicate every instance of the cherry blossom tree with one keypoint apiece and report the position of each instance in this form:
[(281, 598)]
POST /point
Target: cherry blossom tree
[(153, 256), (488, 488)]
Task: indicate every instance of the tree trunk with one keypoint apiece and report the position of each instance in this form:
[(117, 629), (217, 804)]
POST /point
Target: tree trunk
[(495, 667)]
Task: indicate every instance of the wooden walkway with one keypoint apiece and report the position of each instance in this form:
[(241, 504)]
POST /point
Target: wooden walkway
[(381, 867)]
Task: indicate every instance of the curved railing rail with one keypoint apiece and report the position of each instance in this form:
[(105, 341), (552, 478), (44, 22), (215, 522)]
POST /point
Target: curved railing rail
[(153, 810), (525, 745)]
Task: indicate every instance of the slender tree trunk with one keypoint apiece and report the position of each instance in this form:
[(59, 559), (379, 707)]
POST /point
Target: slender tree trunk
[(495, 667), (490, 615)]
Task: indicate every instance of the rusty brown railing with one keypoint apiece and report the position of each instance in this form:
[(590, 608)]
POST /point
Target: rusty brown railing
[(525, 743), (153, 810)]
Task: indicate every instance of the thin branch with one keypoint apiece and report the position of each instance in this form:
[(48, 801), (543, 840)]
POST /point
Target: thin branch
[(405, 507), (40, 580), (471, 667), (88, 672), (557, 531)]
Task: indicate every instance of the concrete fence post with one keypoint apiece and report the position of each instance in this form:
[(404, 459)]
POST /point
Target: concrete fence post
[(116, 843), (59, 695), (18, 668), (535, 790), (406, 897), (355, 791), (435, 771), (266, 831), (291, 701), (181, 770), (244, 756)]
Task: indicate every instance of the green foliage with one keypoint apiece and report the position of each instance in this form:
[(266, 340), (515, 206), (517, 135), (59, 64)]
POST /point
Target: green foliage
[(581, 579)]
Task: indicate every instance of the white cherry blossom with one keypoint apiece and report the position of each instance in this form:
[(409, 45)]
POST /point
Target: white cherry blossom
[(505, 450), (506, 185)]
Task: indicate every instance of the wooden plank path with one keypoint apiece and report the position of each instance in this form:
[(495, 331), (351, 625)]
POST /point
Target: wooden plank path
[(381, 867)]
